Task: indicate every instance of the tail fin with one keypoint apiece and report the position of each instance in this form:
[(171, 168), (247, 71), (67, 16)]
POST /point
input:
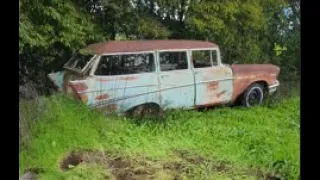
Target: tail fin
[(57, 79)]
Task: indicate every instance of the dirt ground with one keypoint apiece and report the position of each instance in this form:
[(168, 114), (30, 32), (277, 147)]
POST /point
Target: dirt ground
[(184, 166)]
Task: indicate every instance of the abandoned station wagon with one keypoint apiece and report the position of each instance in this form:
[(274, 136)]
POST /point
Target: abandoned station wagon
[(123, 76)]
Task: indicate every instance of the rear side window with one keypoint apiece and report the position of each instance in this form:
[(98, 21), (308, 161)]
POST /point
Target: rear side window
[(125, 64), (78, 61), (202, 58), (173, 61)]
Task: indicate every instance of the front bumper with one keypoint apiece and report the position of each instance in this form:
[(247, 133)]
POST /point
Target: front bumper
[(273, 88)]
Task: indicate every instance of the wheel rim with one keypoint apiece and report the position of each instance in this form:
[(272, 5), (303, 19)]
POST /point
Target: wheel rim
[(254, 97)]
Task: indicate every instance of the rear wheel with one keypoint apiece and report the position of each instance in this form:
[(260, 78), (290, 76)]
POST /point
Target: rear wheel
[(146, 111), (253, 95)]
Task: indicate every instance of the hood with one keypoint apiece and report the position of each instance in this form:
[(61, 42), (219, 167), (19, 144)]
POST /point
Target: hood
[(245, 69)]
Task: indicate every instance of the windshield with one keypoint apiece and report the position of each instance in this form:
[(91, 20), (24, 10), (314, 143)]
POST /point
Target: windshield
[(78, 61)]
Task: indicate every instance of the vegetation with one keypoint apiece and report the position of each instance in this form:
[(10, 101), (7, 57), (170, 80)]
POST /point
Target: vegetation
[(237, 142)]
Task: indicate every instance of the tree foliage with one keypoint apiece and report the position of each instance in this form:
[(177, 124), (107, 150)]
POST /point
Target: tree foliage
[(49, 31), (238, 27), (46, 23), (246, 30)]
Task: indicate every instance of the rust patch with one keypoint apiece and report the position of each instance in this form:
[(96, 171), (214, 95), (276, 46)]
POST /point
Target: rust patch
[(221, 93), (129, 78), (67, 77), (105, 79), (102, 97), (84, 98), (243, 69), (244, 75), (147, 45), (80, 86), (213, 85)]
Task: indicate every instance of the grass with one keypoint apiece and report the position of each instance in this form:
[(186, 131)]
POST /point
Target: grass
[(236, 140)]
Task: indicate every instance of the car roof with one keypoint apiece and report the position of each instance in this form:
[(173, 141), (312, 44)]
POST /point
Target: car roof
[(147, 45)]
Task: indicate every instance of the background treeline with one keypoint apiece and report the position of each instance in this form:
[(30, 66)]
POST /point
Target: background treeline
[(247, 31)]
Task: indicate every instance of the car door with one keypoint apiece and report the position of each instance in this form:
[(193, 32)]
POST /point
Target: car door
[(106, 80), (141, 82), (126, 81), (176, 79), (213, 81)]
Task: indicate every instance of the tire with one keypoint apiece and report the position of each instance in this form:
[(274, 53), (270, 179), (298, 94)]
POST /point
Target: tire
[(253, 95), (147, 111)]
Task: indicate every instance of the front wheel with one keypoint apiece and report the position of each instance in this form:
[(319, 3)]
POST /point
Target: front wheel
[(252, 96)]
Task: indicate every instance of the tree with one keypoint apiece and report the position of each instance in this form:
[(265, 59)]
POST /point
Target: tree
[(236, 26), (48, 31)]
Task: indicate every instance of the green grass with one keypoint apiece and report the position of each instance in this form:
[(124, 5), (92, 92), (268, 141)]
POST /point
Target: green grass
[(265, 137)]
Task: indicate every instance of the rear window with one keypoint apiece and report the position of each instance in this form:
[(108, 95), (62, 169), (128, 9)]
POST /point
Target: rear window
[(125, 64), (78, 61)]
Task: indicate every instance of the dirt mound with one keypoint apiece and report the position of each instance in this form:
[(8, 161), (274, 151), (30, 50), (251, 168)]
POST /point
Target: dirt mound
[(124, 168), (121, 168)]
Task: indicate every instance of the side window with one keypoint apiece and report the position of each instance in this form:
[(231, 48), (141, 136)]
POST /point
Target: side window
[(125, 64), (215, 57), (173, 61), (202, 58)]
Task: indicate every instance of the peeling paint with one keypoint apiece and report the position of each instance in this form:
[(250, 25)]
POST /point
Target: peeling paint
[(80, 86), (213, 85), (102, 97), (221, 93), (128, 78), (84, 98)]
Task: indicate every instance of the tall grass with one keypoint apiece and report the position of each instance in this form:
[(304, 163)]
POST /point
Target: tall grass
[(265, 136)]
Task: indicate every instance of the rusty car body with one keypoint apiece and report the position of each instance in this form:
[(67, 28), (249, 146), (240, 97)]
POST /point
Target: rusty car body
[(123, 75)]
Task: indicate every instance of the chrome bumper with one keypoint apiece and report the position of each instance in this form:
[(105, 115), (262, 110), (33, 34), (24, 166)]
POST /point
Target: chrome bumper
[(273, 88)]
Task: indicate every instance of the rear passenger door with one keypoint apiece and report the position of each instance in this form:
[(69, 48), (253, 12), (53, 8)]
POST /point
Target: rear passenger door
[(176, 80), (125, 81)]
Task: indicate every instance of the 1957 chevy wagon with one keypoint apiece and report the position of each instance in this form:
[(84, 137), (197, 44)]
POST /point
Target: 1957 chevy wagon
[(125, 76)]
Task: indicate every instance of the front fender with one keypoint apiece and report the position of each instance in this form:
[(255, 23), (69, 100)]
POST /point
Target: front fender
[(240, 84)]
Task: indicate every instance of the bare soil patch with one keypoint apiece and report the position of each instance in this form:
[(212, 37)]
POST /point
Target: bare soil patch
[(123, 168)]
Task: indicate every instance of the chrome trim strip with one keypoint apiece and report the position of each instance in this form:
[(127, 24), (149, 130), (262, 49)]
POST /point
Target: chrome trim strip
[(274, 85)]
